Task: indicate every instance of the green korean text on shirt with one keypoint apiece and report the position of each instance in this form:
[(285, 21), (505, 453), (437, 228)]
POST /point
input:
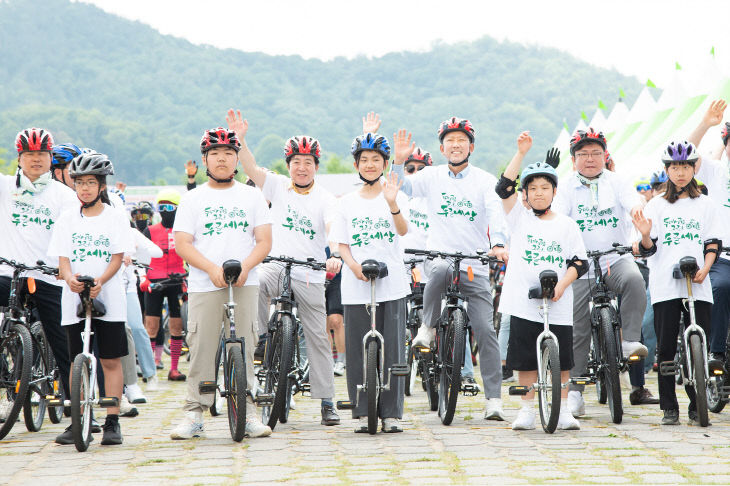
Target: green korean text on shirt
[(85, 247), (452, 206), (590, 218), (418, 219), (299, 223), (27, 214), (366, 230), (679, 229), (220, 219), (541, 251)]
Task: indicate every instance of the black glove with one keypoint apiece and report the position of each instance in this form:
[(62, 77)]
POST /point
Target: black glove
[(553, 157)]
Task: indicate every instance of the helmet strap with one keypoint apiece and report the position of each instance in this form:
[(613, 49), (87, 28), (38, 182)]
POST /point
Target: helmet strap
[(537, 212), (369, 183), (221, 181), (300, 186), (459, 164)]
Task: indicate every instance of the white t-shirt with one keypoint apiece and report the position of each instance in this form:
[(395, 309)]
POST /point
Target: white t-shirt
[(144, 251), (609, 223), (90, 243), (222, 222), (417, 235), (461, 210), (681, 229), (536, 245), (368, 227), (26, 228), (299, 223), (715, 174)]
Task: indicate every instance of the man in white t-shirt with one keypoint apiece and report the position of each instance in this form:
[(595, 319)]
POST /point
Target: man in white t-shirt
[(301, 213), (218, 221), (600, 201), (716, 176), (464, 214)]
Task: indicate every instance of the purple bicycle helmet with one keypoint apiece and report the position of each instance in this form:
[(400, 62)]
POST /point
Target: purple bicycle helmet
[(680, 152)]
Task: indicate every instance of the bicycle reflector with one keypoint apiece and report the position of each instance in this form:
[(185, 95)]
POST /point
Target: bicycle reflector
[(470, 273), (31, 285), (416, 275)]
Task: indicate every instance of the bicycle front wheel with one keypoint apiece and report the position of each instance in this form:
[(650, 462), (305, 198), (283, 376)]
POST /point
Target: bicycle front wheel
[(428, 381), (217, 407), (279, 366), (81, 402), (610, 364), (16, 351), (373, 386), (451, 353), (236, 396), (34, 409), (549, 382), (698, 364)]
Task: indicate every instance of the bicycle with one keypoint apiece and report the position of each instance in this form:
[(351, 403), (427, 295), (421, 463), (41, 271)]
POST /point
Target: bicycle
[(548, 386), (374, 356), (690, 364), (232, 356), (447, 351), (414, 317), (282, 372)]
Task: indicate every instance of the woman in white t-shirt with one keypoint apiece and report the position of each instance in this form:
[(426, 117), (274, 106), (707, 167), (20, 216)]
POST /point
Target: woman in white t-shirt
[(369, 225), (541, 239), (679, 223)]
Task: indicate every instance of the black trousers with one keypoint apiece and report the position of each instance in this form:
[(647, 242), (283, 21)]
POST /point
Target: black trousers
[(667, 315)]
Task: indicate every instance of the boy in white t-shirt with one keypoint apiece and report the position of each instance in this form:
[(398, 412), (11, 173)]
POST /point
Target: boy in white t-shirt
[(540, 240)]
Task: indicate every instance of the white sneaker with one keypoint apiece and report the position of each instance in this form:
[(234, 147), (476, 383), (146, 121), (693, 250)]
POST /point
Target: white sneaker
[(391, 425), (292, 403), (191, 426), (576, 404), (566, 421), (525, 419), (339, 368), (5, 407), (494, 409), (362, 425), (256, 428), (630, 348), (425, 336), (134, 394), (126, 409), (153, 384)]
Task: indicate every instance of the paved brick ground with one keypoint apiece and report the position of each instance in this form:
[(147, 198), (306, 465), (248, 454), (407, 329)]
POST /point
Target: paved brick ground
[(470, 451)]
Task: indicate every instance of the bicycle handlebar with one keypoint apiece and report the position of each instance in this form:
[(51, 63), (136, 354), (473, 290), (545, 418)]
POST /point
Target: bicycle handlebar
[(40, 266), (617, 248), (413, 261), (310, 262), (431, 254)]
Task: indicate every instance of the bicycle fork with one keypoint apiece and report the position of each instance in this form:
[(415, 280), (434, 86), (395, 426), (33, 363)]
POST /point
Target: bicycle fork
[(693, 328)]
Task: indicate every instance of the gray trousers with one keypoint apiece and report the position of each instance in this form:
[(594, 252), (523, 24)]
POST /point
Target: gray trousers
[(312, 313), (390, 321), (480, 313), (129, 362), (625, 280)]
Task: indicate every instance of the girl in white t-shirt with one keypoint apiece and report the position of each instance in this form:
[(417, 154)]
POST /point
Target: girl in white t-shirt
[(540, 240), (92, 242), (679, 223), (369, 225)]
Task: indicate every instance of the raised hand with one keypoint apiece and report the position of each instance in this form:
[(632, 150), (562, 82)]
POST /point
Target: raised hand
[(553, 157), (237, 123), (524, 142), (642, 224), (191, 168), (371, 123), (121, 186), (402, 146), (391, 186), (713, 115)]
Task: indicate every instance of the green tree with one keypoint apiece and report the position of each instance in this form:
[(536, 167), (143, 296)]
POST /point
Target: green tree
[(280, 167), (335, 165), (7, 165), (269, 150)]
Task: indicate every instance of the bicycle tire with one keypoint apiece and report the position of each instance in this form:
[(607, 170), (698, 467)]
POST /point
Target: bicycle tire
[(372, 385), (549, 394), (34, 408), (14, 379), (236, 396), (715, 403), (429, 383), (451, 354), (80, 406), (409, 360), (611, 369), (55, 414), (600, 380), (217, 407), (282, 362), (698, 364)]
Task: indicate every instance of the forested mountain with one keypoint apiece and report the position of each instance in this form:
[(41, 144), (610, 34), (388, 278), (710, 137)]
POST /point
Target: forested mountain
[(144, 98)]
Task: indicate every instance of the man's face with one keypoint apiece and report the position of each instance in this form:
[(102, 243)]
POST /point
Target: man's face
[(302, 169), (371, 165), (221, 161), (456, 147), (412, 167), (34, 164), (589, 160)]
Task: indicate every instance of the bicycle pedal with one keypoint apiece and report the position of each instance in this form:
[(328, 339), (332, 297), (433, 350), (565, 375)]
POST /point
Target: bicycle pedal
[(518, 390), (106, 402), (400, 369), (580, 380), (264, 399), (345, 405), (257, 361), (54, 401), (469, 390), (207, 387), (668, 368), (304, 388), (422, 349)]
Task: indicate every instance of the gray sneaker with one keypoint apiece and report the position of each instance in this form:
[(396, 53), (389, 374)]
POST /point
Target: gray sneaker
[(256, 428), (671, 417)]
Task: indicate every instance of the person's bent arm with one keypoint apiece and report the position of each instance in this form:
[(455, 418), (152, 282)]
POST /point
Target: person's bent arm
[(504, 188), (262, 234), (712, 117), (184, 247), (350, 262)]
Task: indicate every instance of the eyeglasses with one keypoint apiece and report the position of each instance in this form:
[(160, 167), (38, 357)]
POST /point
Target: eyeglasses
[(140, 216), (412, 168), (86, 183), (643, 187), (168, 208), (585, 155)]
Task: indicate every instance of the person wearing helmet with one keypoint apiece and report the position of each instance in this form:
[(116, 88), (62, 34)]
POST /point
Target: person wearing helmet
[(32, 203), (715, 174), (62, 156), (599, 201), (643, 187), (302, 212), (142, 214), (463, 214), (540, 240), (92, 241), (160, 268), (215, 222), (681, 222)]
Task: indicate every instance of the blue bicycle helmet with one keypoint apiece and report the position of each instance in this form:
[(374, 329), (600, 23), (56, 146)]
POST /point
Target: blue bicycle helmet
[(659, 177), (371, 141), (64, 153), (542, 169)]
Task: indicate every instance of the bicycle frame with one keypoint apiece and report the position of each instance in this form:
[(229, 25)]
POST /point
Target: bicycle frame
[(545, 334), (693, 328), (86, 339)]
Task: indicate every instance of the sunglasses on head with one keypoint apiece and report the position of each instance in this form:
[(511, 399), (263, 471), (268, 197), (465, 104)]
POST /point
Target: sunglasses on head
[(643, 187), (412, 168), (166, 207)]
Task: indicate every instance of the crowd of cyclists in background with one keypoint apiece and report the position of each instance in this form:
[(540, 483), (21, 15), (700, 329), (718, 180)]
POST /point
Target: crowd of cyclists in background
[(162, 261)]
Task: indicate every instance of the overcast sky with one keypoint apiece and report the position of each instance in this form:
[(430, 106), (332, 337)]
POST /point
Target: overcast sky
[(639, 37)]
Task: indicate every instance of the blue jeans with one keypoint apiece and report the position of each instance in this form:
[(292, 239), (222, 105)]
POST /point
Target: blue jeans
[(503, 337), (140, 336), (468, 369), (720, 279)]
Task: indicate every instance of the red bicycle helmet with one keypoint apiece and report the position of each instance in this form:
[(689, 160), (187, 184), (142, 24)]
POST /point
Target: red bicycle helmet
[(725, 134), (419, 155), (582, 137), (454, 124), (219, 137), (302, 145), (34, 140)]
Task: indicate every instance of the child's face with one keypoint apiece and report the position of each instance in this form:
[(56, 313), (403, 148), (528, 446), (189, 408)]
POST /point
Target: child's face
[(221, 161), (540, 193), (88, 188), (680, 173), (371, 165)]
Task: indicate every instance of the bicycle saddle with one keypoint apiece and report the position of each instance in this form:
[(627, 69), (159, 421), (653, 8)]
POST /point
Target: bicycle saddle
[(231, 270), (548, 280), (373, 269), (687, 266), (97, 309)]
